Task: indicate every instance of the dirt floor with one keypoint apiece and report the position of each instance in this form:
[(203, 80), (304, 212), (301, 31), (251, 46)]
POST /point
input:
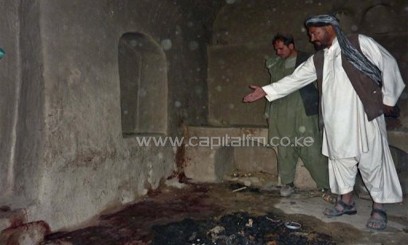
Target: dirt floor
[(227, 213)]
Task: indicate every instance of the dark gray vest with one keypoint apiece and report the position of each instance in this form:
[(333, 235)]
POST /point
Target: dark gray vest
[(367, 90), (309, 93)]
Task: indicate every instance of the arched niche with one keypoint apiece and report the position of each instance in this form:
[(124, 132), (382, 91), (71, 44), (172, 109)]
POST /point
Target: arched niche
[(143, 85)]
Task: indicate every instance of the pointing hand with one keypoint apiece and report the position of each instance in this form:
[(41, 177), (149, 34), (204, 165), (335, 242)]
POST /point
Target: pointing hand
[(256, 94)]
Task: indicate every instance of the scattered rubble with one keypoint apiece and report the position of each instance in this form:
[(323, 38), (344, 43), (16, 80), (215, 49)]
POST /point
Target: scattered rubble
[(237, 228)]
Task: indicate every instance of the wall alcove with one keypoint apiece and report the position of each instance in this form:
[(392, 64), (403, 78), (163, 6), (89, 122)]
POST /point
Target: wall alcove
[(143, 85)]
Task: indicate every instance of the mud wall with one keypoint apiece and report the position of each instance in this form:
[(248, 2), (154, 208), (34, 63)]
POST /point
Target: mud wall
[(64, 155), (10, 77)]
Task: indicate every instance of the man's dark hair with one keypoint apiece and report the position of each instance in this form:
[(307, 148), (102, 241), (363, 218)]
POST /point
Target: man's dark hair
[(285, 38)]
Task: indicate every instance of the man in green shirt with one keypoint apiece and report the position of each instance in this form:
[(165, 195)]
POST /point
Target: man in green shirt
[(294, 117)]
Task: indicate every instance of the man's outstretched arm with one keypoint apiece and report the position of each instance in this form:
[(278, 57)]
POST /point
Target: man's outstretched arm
[(303, 75)]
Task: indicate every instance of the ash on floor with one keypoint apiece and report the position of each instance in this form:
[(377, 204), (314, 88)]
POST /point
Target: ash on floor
[(237, 228)]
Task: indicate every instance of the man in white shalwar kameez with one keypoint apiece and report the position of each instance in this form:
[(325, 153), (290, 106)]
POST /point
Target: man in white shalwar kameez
[(350, 140)]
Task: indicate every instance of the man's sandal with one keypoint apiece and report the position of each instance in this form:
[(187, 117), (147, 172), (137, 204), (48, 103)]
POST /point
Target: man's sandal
[(329, 197), (324, 193), (377, 223), (345, 209)]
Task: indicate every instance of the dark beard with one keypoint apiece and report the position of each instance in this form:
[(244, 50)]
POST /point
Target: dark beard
[(320, 46)]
